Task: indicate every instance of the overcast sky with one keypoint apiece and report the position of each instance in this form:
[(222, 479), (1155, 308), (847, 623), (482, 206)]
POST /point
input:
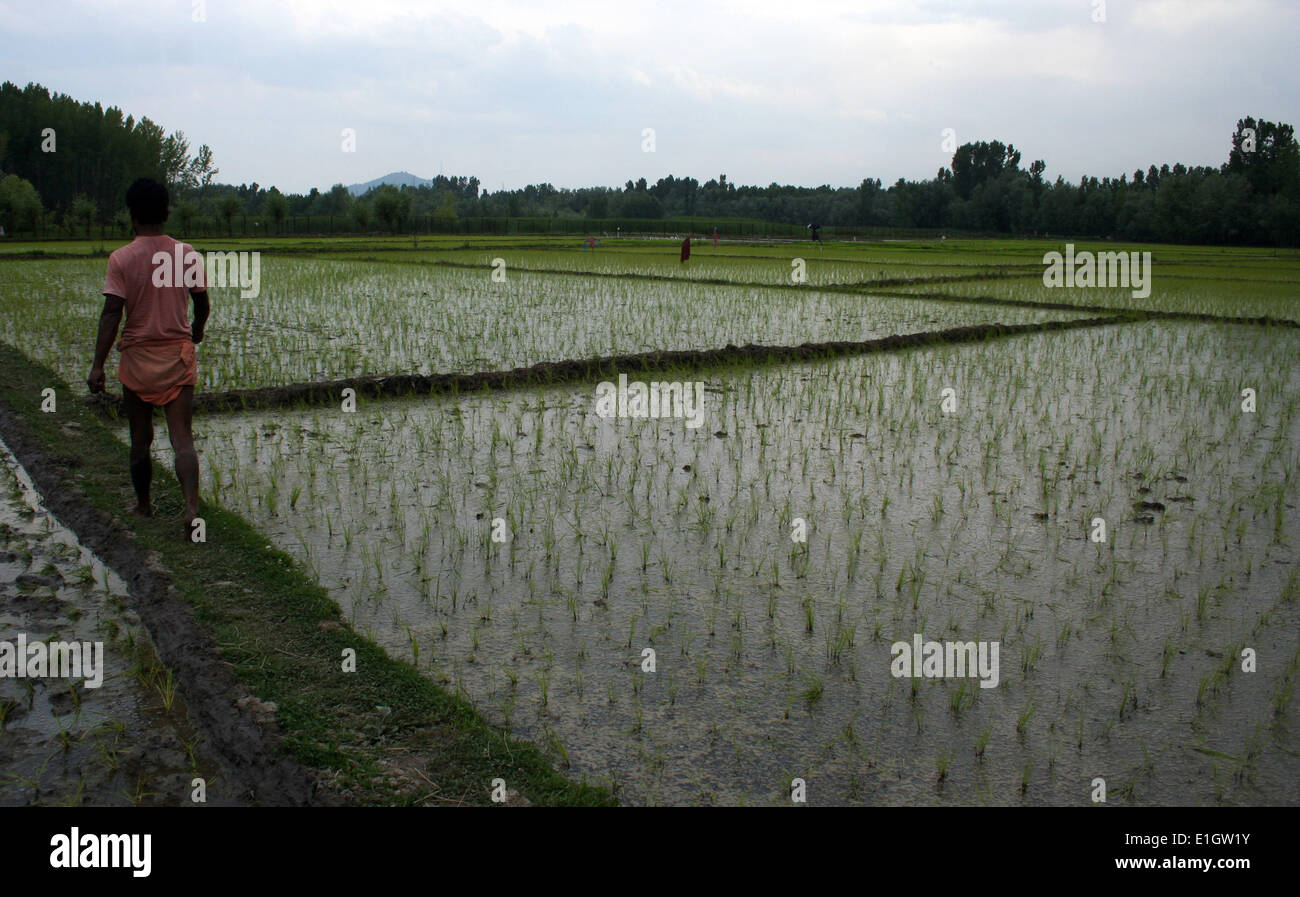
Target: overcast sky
[(794, 91)]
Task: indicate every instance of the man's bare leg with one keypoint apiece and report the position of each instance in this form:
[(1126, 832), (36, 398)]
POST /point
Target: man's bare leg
[(180, 419), (139, 415)]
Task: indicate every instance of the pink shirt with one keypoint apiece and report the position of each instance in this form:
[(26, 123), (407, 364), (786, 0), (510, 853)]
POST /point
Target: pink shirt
[(157, 292)]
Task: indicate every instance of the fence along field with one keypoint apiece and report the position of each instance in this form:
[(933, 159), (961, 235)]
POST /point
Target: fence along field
[(1118, 658)]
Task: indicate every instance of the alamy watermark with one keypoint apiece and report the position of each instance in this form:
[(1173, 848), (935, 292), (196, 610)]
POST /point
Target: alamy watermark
[(1099, 269), (945, 660), (223, 269), (77, 851), (22, 659), (683, 399)]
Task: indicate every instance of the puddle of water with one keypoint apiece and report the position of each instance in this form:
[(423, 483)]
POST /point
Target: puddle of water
[(62, 740), (1118, 659)]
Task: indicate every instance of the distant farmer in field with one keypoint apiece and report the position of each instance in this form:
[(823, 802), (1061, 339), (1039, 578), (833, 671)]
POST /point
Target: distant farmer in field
[(686, 249), (816, 232), (715, 236), (153, 278)]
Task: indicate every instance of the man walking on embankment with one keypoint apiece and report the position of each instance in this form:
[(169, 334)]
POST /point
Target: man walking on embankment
[(153, 278)]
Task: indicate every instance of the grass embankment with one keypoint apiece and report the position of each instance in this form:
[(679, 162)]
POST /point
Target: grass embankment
[(384, 734)]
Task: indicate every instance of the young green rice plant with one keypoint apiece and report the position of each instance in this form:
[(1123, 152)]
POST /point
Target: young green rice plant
[(1063, 636), (961, 697), (415, 647), (33, 782), (544, 686), (936, 508), (799, 562), (812, 693), (1022, 721), (942, 762), (838, 641), (1204, 687), (852, 570), (1033, 652), (1128, 696)]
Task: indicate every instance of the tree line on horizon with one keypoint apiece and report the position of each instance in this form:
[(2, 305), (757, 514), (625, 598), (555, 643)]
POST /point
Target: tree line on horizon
[(1253, 198)]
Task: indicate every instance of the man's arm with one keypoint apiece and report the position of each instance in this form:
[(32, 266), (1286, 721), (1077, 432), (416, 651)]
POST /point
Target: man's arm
[(109, 320), (202, 306)]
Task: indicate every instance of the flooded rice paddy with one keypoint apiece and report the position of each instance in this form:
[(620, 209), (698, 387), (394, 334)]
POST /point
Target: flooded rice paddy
[(322, 320), (962, 516)]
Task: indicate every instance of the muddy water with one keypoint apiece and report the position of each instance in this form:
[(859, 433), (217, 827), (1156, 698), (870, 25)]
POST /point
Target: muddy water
[(63, 741), (1118, 659)]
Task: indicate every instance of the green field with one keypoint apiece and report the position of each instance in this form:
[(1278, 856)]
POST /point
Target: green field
[(951, 490)]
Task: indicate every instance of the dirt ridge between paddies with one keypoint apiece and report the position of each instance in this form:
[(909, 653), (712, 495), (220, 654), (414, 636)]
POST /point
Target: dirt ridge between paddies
[(234, 617), (1154, 314), (1002, 273), (879, 287), (304, 394)]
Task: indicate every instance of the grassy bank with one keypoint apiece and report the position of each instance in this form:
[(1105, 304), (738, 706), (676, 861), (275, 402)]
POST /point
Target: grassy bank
[(381, 735)]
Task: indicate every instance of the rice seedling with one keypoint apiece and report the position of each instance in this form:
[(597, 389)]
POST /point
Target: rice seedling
[(942, 762)]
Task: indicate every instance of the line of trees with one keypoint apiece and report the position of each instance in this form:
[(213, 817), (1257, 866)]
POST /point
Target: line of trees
[(77, 159), (1252, 198)]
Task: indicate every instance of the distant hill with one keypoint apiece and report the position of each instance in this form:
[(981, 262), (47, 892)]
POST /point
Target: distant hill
[(396, 178)]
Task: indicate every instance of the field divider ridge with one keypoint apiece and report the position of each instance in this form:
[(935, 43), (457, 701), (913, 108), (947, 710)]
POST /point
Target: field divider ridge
[(1146, 313), (550, 373)]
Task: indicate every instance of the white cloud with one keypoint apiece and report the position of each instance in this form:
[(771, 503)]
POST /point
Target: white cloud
[(807, 92)]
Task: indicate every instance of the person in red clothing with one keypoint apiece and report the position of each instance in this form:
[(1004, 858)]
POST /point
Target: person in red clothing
[(153, 279), (686, 249)]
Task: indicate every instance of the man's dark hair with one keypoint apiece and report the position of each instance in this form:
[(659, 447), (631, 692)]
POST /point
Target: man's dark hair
[(148, 201)]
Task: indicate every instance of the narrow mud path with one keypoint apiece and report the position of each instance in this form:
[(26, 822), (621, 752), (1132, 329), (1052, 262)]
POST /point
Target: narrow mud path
[(246, 751), (113, 732)]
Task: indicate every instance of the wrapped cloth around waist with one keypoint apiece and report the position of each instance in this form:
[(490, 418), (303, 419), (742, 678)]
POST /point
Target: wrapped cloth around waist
[(157, 370)]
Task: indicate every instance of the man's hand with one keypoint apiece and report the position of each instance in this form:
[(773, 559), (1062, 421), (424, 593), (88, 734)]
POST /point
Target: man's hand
[(202, 307), (109, 319)]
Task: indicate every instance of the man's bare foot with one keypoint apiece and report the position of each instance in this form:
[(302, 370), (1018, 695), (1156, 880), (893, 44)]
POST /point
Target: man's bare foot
[(142, 510), (187, 518)]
